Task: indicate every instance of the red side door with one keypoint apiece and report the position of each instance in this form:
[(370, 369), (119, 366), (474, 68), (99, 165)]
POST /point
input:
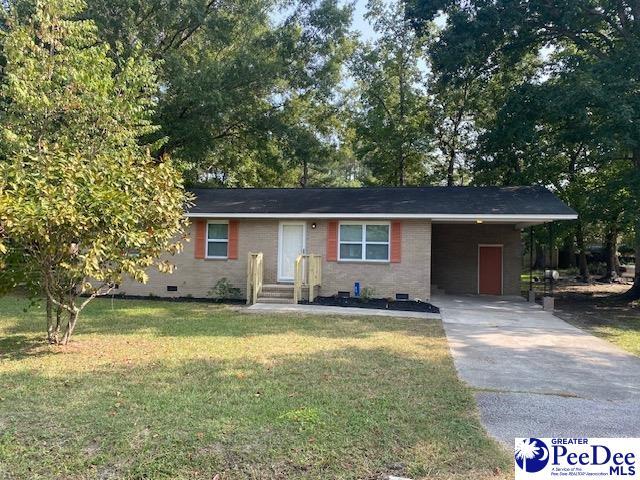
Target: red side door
[(490, 270)]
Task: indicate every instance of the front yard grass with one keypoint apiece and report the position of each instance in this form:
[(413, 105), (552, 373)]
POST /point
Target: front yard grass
[(150, 389), (598, 308), (601, 311)]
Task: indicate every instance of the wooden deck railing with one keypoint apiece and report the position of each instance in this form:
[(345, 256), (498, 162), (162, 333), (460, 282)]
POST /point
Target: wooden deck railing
[(314, 274), (255, 270), (307, 272), (298, 269)]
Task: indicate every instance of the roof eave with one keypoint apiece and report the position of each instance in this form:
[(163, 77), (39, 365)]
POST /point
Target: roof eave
[(495, 218)]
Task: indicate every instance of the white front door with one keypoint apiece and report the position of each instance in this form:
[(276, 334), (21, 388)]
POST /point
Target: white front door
[(290, 245)]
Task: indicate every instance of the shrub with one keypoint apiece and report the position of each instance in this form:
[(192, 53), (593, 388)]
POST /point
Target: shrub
[(367, 293), (224, 289)]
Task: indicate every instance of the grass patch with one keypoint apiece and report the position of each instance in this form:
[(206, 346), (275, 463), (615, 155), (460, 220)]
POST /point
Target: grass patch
[(602, 310), (609, 317), (598, 308), (174, 390)]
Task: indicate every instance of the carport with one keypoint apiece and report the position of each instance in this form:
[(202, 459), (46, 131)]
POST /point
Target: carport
[(478, 258)]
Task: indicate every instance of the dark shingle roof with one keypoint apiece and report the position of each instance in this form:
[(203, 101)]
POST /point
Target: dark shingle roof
[(385, 200)]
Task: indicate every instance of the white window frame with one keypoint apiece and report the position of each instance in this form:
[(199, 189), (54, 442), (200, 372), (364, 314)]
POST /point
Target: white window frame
[(216, 240), (364, 242)]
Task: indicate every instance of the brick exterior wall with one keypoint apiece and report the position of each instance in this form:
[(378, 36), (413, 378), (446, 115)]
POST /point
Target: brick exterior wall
[(197, 277), (410, 276), (455, 256)]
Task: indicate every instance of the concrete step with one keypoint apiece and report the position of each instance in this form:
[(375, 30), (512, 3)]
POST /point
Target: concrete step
[(276, 300)]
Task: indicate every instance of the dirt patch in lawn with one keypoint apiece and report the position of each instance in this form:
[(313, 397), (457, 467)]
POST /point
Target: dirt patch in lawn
[(602, 310)]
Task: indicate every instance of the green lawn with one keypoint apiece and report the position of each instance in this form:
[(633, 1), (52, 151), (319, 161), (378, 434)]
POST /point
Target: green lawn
[(151, 389)]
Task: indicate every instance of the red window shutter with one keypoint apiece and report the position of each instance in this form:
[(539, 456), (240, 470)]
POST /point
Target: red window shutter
[(201, 231), (332, 241), (396, 242), (233, 240)]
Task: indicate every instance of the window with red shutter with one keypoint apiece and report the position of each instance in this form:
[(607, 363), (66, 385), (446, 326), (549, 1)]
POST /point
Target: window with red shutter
[(396, 242), (233, 240), (332, 241), (200, 227)]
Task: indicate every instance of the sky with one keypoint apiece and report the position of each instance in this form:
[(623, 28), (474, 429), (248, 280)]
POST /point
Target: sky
[(360, 24)]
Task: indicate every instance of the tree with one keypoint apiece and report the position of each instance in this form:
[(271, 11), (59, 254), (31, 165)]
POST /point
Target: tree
[(546, 133), (451, 112), (305, 129), (458, 102), (239, 88), (595, 40), (609, 197), (82, 202), (391, 122)]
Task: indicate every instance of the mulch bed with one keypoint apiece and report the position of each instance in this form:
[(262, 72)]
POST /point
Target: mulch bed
[(377, 303), (231, 301)]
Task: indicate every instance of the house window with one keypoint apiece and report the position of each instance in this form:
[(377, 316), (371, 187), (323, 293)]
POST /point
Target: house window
[(364, 242), (217, 239)]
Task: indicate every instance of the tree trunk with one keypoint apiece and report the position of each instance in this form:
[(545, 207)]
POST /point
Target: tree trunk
[(401, 169), (401, 92), (305, 173), (58, 324), (634, 291), (53, 325), (540, 261), (582, 253), (611, 248), (567, 255), (451, 167), (71, 325), (50, 327)]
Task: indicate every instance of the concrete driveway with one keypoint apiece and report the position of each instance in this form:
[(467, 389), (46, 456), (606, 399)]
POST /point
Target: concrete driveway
[(537, 376)]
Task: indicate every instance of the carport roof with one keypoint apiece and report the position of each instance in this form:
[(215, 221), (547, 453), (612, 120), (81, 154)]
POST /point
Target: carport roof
[(519, 204)]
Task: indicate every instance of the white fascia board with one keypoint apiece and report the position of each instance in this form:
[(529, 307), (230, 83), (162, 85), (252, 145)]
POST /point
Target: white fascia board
[(427, 216)]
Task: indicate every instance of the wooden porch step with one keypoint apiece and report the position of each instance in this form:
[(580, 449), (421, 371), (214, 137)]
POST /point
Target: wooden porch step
[(277, 300), (277, 293), (277, 287)]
